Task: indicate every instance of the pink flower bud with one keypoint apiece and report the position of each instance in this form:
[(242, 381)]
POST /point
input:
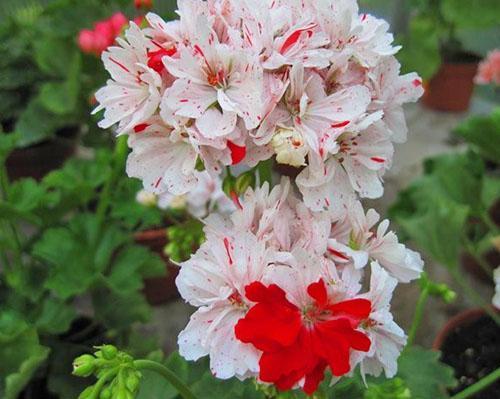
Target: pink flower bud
[(86, 41)]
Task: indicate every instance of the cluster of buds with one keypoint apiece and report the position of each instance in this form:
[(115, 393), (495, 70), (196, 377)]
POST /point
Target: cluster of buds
[(117, 377)]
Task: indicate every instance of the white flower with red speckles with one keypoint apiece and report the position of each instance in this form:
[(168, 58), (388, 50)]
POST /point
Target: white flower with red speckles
[(308, 282), (214, 280), (252, 79), (315, 86), (356, 238)]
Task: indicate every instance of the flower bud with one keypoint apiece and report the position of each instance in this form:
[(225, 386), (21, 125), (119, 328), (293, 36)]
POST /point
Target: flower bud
[(244, 181), (132, 381), (87, 393), (229, 186), (146, 198), (106, 393), (109, 352), (289, 147), (84, 366)]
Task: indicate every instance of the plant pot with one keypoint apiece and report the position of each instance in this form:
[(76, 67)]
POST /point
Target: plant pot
[(158, 290), (451, 88), (470, 343), (38, 160)]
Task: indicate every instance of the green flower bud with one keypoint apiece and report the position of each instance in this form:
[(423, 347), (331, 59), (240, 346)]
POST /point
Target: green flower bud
[(109, 352), (244, 181), (132, 381), (84, 366), (123, 394), (228, 186), (87, 393), (106, 393)]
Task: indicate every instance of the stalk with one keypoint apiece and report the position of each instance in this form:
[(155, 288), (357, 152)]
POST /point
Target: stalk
[(474, 296), (419, 313), (483, 383), (175, 381)]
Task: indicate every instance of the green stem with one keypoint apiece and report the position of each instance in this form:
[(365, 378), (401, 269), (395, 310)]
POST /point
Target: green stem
[(478, 258), (176, 382), (474, 296), (419, 313), (119, 157), (478, 386), (485, 217)]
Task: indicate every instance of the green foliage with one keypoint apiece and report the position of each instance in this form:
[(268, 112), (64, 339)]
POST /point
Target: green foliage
[(21, 353), (435, 27), (70, 250), (424, 375), (46, 82), (420, 50), (436, 210), (483, 135), (391, 389)]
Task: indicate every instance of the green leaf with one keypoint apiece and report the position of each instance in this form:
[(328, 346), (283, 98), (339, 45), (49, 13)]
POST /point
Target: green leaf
[(491, 191), (438, 231), (127, 270), (55, 316), (483, 134), (424, 374), (388, 389), (133, 308), (52, 55), (420, 50), (61, 97), (20, 352), (78, 253), (459, 177), (464, 14), (8, 143), (35, 124)]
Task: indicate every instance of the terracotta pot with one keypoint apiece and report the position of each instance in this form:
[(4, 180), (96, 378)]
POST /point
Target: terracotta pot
[(158, 290), (451, 88), (38, 160), (465, 317)]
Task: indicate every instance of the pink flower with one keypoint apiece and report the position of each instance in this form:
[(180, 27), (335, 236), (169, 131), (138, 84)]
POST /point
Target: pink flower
[(103, 35), (86, 41), (489, 69)]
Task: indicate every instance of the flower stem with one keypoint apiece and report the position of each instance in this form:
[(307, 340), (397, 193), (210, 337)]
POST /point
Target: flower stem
[(478, 258), (478, 386), (159, 368), (119, 157), (474, 296), (419, 313)]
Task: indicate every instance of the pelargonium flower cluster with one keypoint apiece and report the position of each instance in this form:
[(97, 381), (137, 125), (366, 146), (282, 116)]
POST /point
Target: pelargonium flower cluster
[(278, 291), (279, 283), (312, 83)]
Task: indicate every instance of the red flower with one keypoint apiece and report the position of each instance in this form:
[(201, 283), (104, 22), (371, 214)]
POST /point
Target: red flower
[(155, 58), (238, 153), (302, 343)]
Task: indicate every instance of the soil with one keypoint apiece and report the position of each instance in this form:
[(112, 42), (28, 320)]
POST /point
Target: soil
[(473, 350)]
